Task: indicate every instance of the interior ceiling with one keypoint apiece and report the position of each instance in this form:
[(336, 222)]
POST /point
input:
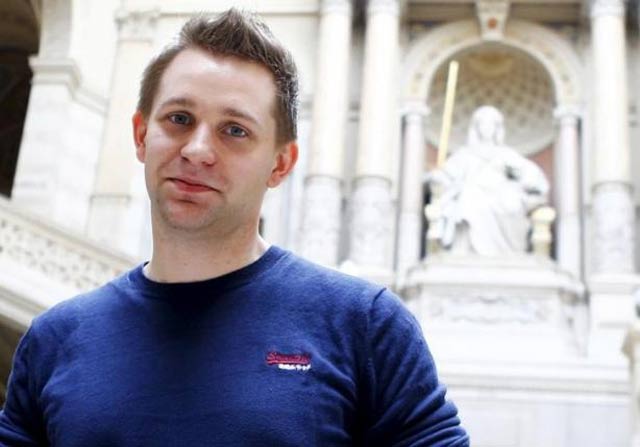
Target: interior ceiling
[(19, 25), (550, 11)]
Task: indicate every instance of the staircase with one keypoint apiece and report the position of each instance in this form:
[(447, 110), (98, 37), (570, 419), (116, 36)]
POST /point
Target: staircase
[(42, 264)]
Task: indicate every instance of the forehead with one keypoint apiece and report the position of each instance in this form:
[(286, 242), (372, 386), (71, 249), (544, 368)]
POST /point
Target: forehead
[(218, 80)]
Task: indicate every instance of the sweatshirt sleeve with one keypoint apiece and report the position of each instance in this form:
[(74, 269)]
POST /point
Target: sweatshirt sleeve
[(407, 401), (20, 419)]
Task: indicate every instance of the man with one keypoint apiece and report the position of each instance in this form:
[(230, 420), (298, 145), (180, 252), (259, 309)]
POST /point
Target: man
[(221, 340)]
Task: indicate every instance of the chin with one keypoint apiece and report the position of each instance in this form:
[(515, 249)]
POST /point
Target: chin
[(187, 218)]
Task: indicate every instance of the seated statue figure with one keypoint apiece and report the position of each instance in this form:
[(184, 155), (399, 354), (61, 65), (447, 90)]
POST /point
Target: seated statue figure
[(487, 191)]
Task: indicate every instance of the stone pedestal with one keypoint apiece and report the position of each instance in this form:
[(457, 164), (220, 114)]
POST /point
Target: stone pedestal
[(519, 308)]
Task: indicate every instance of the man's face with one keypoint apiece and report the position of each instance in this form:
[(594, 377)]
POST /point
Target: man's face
[(209, 143)]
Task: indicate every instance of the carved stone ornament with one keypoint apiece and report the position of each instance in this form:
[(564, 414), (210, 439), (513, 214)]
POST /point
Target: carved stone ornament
[(54, 254), (491, 309), (389, 7), (492, 16), (371, 222), (320, 230), (601, 8), (335, 7), (613, 228)]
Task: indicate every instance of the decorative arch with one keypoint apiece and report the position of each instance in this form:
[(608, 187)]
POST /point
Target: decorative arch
[(431, 50)]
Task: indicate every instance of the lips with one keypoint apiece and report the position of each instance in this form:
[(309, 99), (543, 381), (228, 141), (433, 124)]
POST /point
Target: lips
[(190, 185)]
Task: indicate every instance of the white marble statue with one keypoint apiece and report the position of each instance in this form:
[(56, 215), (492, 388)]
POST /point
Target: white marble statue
[(487, 191)]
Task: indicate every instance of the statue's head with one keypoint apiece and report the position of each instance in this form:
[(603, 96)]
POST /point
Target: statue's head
[(487, 127)]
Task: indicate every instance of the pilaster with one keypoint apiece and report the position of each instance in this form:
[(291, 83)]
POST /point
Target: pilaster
[(117, 204), (322, 205), (371, 206)]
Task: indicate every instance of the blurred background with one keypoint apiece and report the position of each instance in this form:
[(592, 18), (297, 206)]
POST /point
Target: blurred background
[(517, 254)]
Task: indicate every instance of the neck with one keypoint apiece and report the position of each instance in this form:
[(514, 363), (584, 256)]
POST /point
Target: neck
[(179, 256)]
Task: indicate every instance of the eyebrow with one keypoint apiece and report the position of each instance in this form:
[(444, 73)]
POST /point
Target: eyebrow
[(177, 101), (230, 111)]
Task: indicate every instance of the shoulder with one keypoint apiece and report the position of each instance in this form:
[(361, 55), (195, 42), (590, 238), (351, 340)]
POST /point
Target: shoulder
[(306, 284), (300, 275), (64, 318)]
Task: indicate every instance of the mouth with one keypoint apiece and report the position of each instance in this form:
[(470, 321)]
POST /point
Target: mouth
[(190, 185)]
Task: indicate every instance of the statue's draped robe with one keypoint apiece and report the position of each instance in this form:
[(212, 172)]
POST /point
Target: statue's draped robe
[(487, 202)]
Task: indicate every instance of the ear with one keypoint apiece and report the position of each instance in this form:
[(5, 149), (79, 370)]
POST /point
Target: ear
[(285, 161), (139, 134)]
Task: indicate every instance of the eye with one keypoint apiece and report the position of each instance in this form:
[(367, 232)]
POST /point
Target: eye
[(181, 119), (236, 131)]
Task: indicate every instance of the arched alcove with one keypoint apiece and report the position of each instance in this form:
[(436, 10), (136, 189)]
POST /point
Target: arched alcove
[(506, 78), (428, 53), (528, 74)]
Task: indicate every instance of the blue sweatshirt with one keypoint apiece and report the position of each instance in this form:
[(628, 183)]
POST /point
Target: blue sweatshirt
[(279, 353)]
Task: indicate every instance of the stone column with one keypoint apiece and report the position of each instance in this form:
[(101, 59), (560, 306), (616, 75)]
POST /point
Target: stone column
[(371, 206), (42, 183), (567, 168), (322, 204), (613, 215), (613, 280), (55, 164), (411, 205), (116, 216)]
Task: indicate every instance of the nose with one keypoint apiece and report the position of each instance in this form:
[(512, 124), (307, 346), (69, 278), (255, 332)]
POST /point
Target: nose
[(200, 147)]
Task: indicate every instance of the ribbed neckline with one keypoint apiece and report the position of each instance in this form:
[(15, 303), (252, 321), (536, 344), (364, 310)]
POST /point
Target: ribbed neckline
[(181, 290)]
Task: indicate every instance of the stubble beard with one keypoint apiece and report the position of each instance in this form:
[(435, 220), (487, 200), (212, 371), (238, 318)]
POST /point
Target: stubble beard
[(187, 217)]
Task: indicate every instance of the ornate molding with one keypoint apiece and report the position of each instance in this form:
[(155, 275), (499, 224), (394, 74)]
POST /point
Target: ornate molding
[(432, 49), (55, 71), (491, 308), (568, 114), (613, 220), (342, 7), (66, 72), (492, 17), (415, 110), (137, 25), (55, 253), (387, 7), (600, 8), (320, 229), (371, 222)]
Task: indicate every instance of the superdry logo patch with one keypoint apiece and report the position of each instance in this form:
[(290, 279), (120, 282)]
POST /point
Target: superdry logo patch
[(296, 362)]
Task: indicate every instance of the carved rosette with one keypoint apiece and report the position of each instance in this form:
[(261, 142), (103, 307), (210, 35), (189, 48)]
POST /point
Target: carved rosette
[(371, 222), (613, 228), (492, 16), (320, 230)]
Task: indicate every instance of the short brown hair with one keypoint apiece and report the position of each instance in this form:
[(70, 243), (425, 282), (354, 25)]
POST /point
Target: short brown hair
[(239, 34)]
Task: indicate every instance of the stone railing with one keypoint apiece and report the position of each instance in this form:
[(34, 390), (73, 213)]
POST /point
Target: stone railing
[(44, 250)]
